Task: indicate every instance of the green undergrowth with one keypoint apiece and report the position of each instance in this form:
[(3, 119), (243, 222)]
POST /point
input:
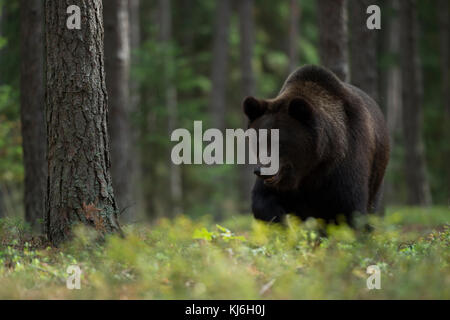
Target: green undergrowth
[(237, 259)]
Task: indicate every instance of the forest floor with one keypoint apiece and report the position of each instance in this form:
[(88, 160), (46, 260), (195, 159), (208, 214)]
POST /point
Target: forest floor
[(187, 259)]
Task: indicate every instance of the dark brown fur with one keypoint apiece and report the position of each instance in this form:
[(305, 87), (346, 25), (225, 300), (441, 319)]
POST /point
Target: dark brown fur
[(334, 148)]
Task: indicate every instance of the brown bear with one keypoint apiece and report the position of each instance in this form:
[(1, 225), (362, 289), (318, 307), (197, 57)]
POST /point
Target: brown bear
[(333, 149)]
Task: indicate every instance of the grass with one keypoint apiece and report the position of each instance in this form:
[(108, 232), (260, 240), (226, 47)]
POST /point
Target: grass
[(186, 259)]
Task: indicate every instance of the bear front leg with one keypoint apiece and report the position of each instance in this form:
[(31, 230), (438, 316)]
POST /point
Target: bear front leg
[(265, 203)]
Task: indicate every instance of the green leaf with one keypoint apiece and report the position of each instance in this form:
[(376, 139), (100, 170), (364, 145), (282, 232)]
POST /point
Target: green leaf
[(203, 234)]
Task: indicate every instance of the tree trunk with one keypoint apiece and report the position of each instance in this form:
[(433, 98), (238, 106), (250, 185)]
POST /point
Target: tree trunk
[(363, 58), (393, 84), (418, 190), (32, 109), (2, 21), (444, 23), (5, 206), (2, 206), (134, 7), (333, 36), (390, 83), (79, 185), (220, 63), (165, 37), (117, 59), (147, 126), (2, 209), (246, 21), (294, 17), (363, 49)]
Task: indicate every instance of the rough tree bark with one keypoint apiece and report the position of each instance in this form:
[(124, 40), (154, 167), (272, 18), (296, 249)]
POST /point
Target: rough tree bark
[(333, 41), (363, 49), (165, 37), (220, 63), (79, 185), (418, 190), (246, 24), (34, 139), (294, 18), (117, 66)]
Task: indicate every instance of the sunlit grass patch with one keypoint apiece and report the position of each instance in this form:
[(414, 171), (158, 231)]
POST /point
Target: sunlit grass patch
[(240, 258)]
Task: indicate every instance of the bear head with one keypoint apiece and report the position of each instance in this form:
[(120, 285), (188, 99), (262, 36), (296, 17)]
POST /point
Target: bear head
[(297, 122)]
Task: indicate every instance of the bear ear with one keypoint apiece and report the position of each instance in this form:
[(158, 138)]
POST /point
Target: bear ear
[(302, 111), (253, 108)]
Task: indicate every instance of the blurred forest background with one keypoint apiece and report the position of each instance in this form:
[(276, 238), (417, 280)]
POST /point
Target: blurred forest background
[(170, 62)]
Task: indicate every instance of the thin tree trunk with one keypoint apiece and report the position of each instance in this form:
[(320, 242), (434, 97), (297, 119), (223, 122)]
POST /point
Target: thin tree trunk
[(382, 49), (117, 59), (444, 25), (392, 91), (246, 22), (390, 82), (79, 185), (6, 201), (363, 58), (2, 209), (2, 21), (187, 34), (2, 205), (219, 74), (220, 63), (134, 8), (418, 190), (294, 18), (393, 85), (333, 39), (363, 49), (165, 37), (148, 123), (32, 109)]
